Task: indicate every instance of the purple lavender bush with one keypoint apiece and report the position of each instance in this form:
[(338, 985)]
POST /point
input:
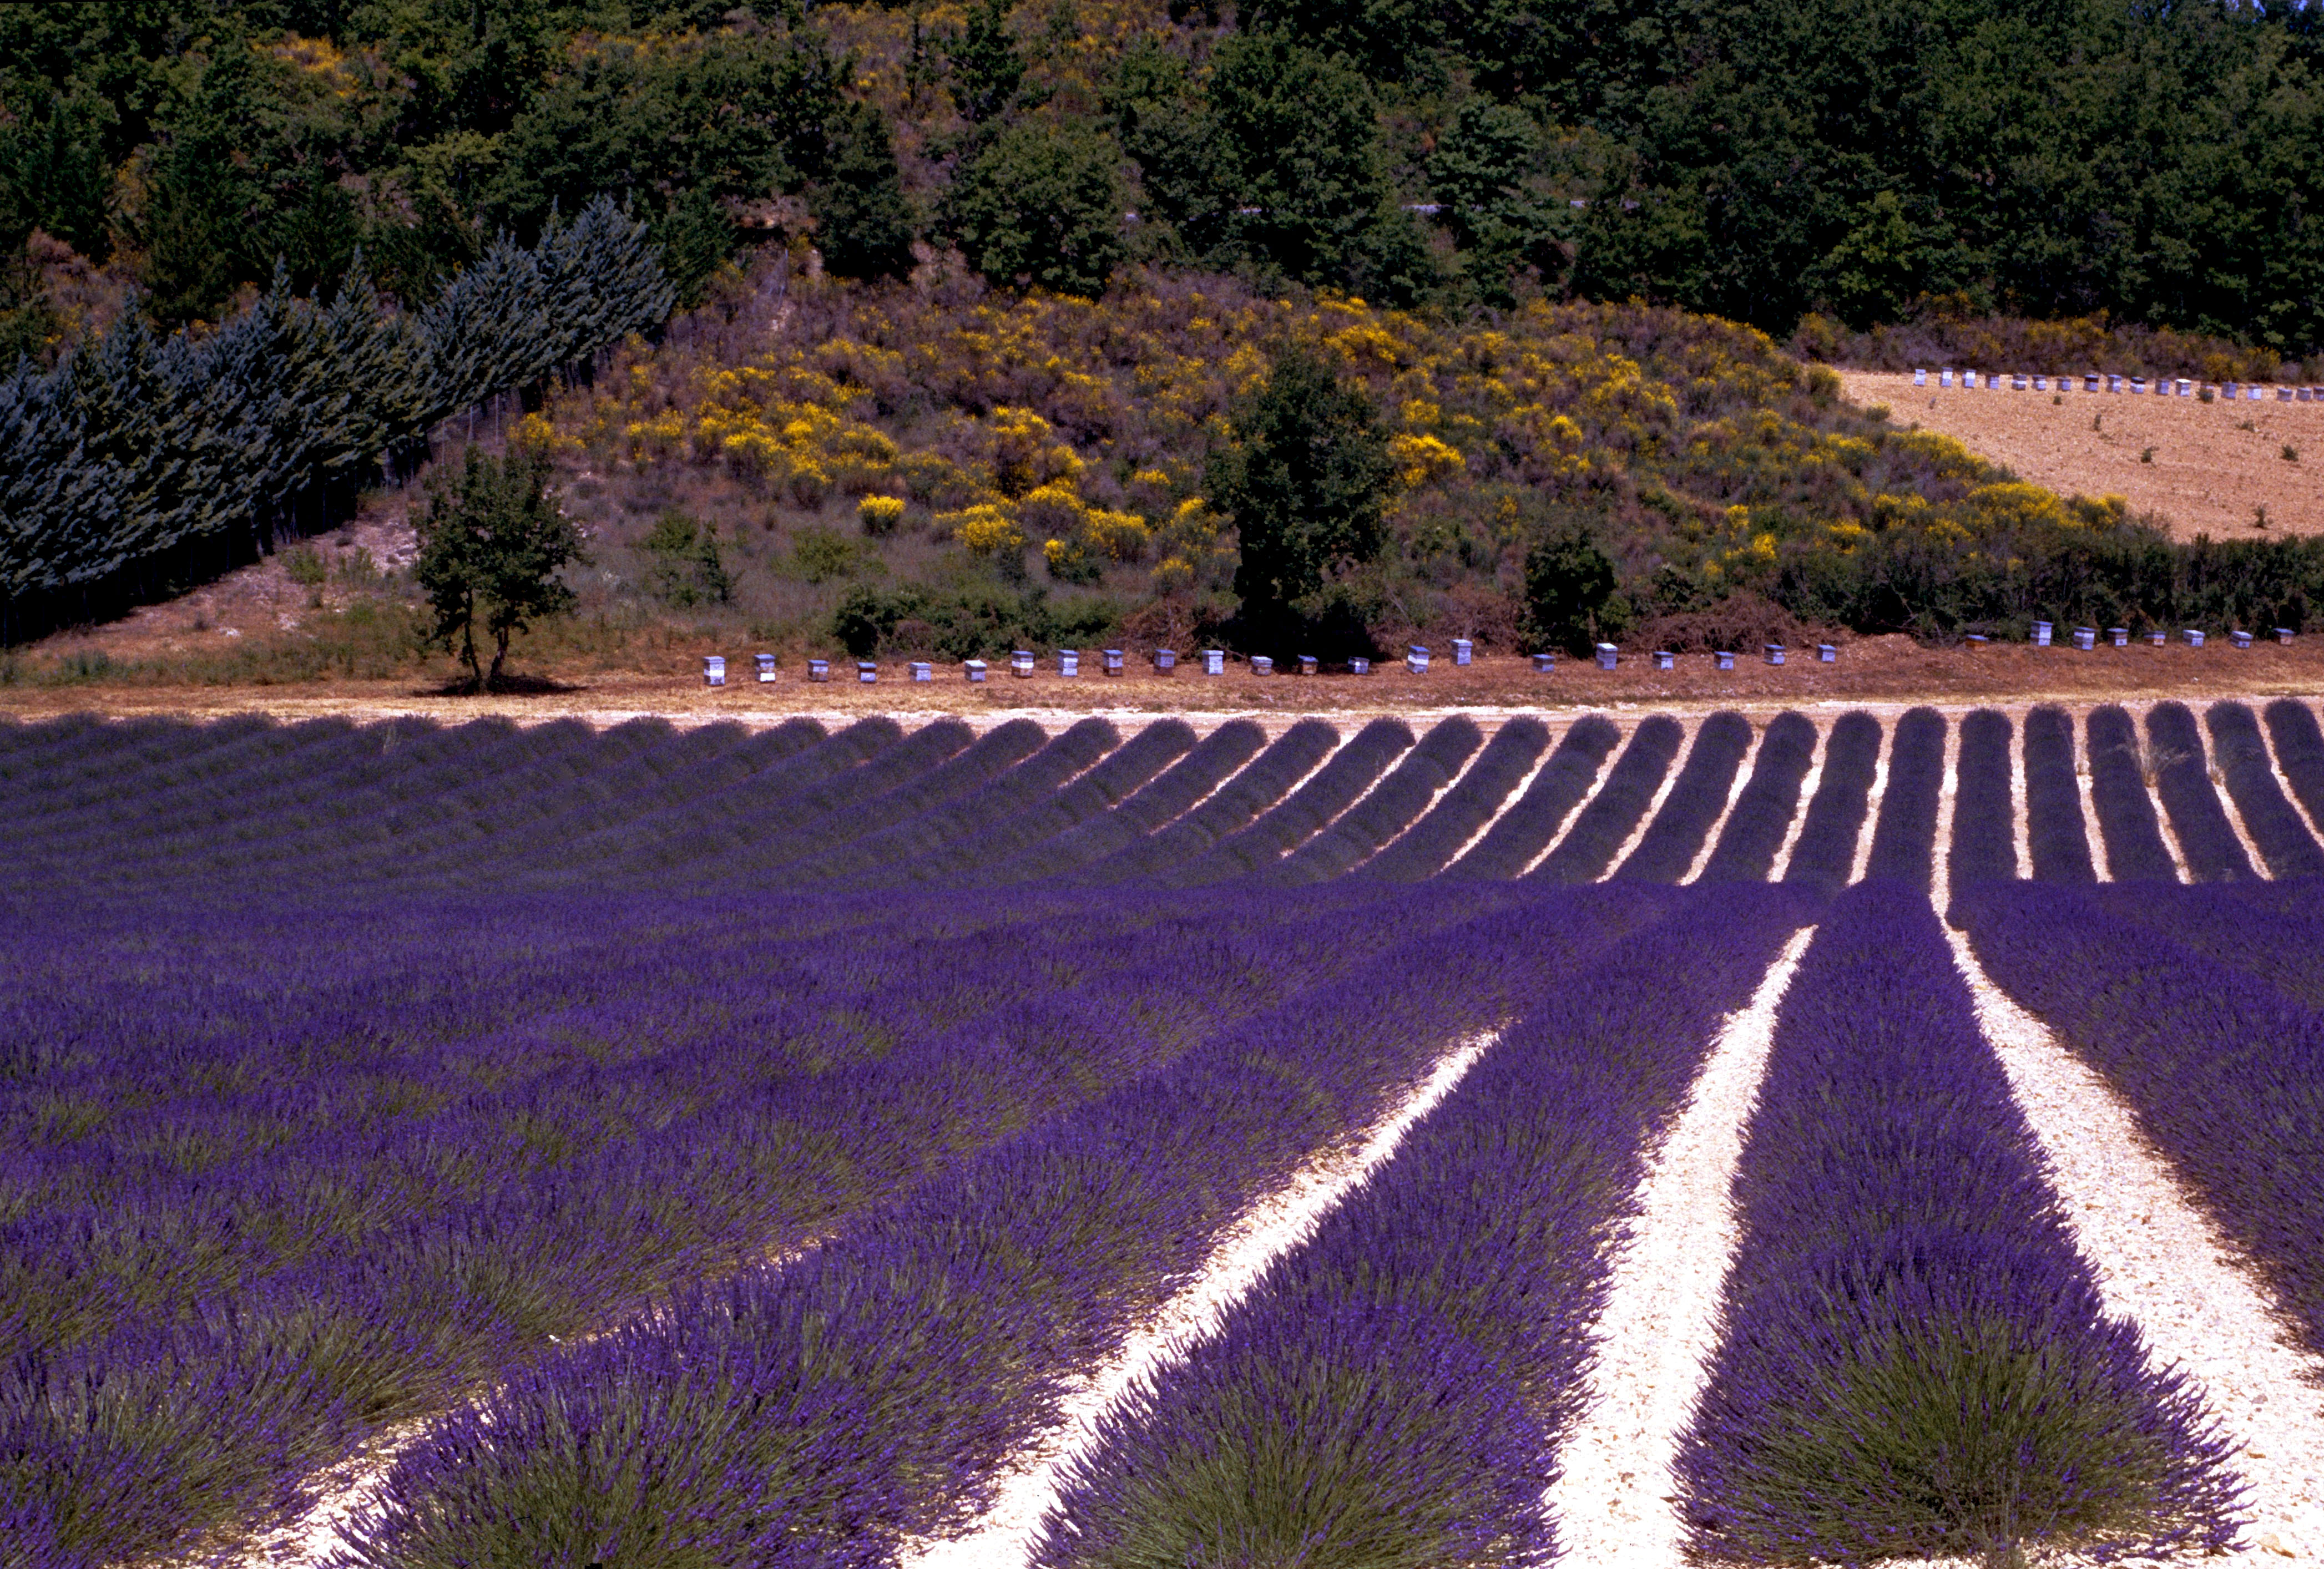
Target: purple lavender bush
[(1666, 850), (2125, 812), (1824, 856), (2183, 781), (2055, 834), (2284, 842), (1464, 809), (1601, 826), (2223, 1070), (1525, 829), (1391, 1391), (873, 1385), (1763, 814), (1904, 834), (1913, 1359)]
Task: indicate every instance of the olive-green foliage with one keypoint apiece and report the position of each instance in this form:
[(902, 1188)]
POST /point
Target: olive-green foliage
[(965, 622), (1572, 599), (1041, 208), (2126, 576), (863, 222), (688, 567), (984, 65), (1956, 1438), (1275, 163), (1305, 480), (491, 546)]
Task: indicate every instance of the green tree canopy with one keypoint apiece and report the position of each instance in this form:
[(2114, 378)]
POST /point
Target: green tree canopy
[(1572, 599), (1306, 479), (1041, 208), (863, 223), (491, 546)]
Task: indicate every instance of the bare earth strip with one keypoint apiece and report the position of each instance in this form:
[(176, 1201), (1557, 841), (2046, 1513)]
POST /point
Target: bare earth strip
[(2206, 474), (2160, 1263), (1004, 1537), (1612, 1497)]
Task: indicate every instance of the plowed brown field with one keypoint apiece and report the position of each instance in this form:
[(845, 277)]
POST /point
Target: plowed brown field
[(2208, 475)]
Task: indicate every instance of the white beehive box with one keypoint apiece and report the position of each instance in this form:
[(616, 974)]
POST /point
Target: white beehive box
[(714, 670)]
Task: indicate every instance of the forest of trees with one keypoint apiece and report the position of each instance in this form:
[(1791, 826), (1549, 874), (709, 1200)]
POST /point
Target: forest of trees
[(248, 249), (1756, 158)]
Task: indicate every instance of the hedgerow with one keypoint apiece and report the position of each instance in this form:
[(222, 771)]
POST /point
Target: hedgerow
[(2125, 812), (2054, 830), (1904, 834), (1985, 811)]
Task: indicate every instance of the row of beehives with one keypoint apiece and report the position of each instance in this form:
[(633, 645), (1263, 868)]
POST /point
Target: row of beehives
[(1024, 662), (2162, 387)]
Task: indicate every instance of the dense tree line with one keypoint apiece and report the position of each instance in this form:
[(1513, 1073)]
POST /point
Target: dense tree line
[(143, 463), (1871, 158)]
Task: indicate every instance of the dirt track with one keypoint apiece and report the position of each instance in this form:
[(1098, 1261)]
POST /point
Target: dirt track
[(1873, 671), (2206, 474)]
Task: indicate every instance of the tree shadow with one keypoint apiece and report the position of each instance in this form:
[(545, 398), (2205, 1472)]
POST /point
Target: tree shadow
[(506, 687)]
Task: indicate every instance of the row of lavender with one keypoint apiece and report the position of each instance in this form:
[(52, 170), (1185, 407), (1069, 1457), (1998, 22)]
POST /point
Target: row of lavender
[(267, 809), (264, 1198), (1912, 1357), (822, 1410), (2204, 1009)]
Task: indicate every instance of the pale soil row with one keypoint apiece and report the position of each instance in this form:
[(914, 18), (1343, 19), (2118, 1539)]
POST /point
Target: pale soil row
[(2101, 864), (1004, 1536), (2161, 1264), (1872, 800), (1654, 807), (2236, 820), (1734, 793), (1510, 802), (1941, 863), (1809, 783), (2283, 783), (2170, 831), (2021, 820), (1612, 1499)]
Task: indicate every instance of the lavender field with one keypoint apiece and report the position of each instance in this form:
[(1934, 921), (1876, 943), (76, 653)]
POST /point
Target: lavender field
[(1816, 1137)]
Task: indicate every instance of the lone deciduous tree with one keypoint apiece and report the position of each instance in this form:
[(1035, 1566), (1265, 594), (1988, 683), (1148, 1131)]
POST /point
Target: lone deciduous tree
[(491, 548)]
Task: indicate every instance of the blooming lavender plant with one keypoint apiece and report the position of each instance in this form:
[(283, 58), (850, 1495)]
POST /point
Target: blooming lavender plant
[(1458, 814), (1391, 1391), (1517, 840), (1697, 797), (1392, 806), (950, 1320), (1600, 828), (2225, 1070), (2125, 812), (1763, 814), (1904, 834), (2214, 853), (1914, 1360), (2054, 829), (2284, 841), (1824, 854)]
